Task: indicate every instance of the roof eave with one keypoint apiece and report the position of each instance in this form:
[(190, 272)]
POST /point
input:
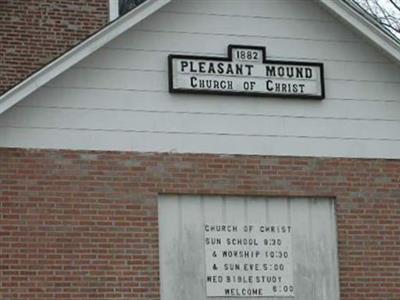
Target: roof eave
[(365, 26), (76, 54)]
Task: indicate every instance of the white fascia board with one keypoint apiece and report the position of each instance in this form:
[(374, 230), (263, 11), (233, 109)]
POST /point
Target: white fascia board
[(79, 52), (365, 26)]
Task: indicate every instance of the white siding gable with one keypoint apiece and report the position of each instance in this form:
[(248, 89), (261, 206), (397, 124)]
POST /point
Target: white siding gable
[(117, 98)]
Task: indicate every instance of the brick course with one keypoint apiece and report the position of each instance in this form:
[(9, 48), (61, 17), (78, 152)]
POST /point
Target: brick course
[(82, 224), (33, 32)]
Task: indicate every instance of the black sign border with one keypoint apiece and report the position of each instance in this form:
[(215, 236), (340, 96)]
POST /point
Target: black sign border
[(171, 57)]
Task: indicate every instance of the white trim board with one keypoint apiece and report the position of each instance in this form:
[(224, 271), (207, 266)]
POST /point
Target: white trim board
[(113, 11), (365, 26)]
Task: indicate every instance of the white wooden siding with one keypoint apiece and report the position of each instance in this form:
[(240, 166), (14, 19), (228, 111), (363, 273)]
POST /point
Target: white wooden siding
[(117, 99), (277, 9), (182, 254)]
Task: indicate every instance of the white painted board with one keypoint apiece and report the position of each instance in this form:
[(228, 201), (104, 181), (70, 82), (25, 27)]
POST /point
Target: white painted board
[(244, 260), (193, 267)]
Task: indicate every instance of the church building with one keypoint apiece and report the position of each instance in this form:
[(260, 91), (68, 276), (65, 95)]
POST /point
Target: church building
[(206, 150)]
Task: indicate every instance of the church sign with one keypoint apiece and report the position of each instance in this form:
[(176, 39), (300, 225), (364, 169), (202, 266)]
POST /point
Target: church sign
[(245, 71), (248, 260)]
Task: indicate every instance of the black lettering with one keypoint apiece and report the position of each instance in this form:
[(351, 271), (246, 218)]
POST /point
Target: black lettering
[(281, 71), (289, 72), (308, 73), (213, 241), (202, 67), (229, 70), (299, 72), (269, 88), (220, 68), (239, 69), (215, 279), (211, 68), (270, 71), (249, 69), (184, 65), (192, 69), (193, 83)]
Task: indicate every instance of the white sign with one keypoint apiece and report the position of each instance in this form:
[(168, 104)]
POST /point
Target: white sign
[(248, 260), (246, 72)]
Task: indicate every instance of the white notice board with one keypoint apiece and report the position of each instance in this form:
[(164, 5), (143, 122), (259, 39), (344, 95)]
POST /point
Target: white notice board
[(248, 260), (247, 248)]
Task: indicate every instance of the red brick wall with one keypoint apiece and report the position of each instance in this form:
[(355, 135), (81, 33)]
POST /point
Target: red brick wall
[(33, 32), (79, 225)]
